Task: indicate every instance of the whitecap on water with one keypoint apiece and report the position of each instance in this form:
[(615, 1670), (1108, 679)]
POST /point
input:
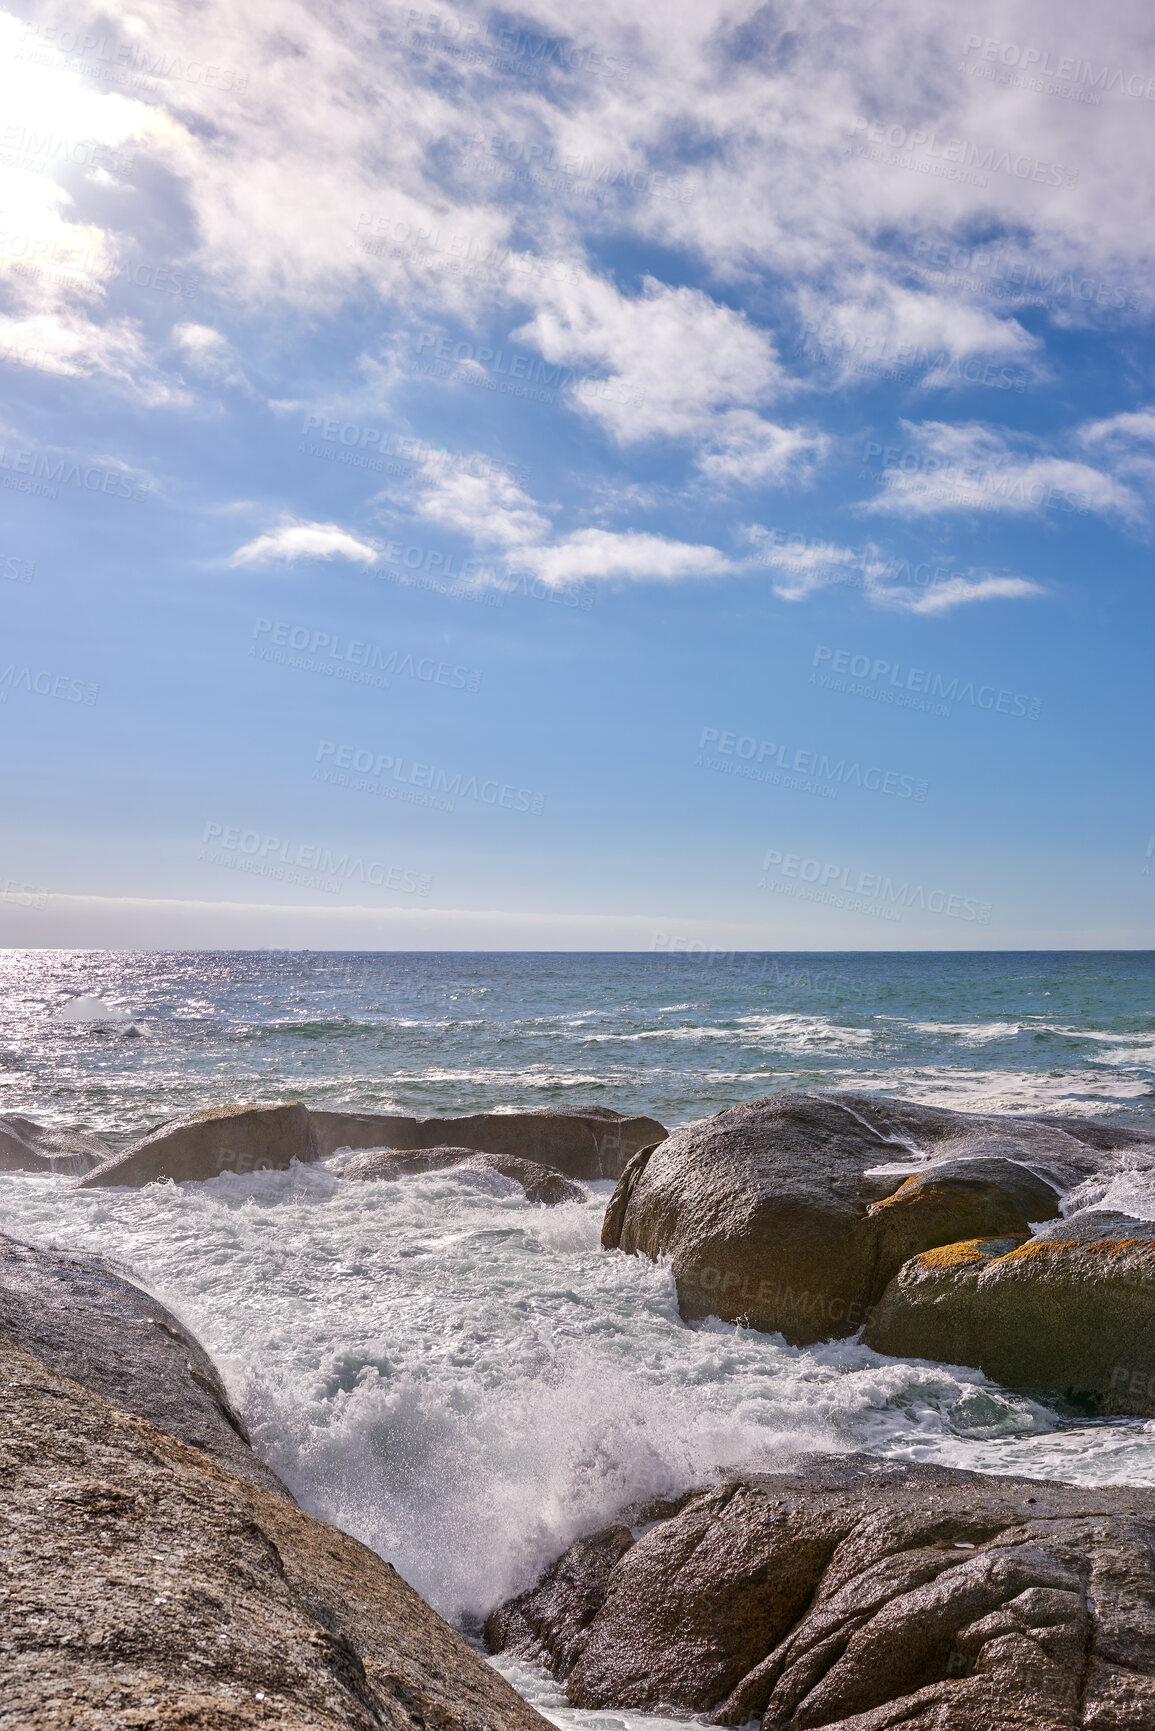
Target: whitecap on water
[(90, 1008)]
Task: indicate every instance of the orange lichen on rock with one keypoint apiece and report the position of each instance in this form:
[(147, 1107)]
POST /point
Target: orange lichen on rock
[(968, 1250)]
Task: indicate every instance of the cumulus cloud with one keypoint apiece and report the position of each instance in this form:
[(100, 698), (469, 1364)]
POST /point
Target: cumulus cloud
[(480, 500), (305, 541), (661, 363), (209, 353)]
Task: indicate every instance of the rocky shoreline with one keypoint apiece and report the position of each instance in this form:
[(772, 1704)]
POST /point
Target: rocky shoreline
[(156, 1572)]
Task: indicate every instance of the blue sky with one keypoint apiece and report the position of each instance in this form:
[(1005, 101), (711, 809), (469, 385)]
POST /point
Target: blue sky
[(678, 480)]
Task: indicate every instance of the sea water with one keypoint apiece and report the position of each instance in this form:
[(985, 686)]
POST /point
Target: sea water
[(465, 1381)]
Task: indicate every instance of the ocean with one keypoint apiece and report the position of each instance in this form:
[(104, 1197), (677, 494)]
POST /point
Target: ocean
[(467, 1382)]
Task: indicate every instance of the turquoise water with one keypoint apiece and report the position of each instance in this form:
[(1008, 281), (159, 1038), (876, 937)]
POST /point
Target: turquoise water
[(467, 1382)]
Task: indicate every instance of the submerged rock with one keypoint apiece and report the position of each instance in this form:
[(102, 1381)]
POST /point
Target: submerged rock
[(225, 1139), (29, 1147), (772, 1215), (855, 1594), (538, 1182), (1072, 1312), (146, 1584), (591, 1144)]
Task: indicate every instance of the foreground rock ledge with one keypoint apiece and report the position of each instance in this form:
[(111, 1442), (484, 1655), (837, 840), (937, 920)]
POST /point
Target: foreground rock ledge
[(857, 1595), (144, 1585)]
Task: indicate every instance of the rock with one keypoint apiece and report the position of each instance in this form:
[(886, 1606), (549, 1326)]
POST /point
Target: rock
[(226, 1139), (856, 1594), (538, 1182), (85, 1321), (1071, 1313), (29, 1147), (769, 1211), (960, 1199), (146, 1585), (591, 1144)]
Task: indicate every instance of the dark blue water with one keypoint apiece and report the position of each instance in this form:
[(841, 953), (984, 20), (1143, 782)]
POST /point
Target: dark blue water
[(677, 1036)]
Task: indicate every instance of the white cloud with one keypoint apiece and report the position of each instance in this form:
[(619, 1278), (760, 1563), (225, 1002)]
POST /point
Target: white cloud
[(590, 554), (305, 541), (953, 592), (744, 449), (973, 467), (479, 500), (801, 567), (662, 363), (208, 352)]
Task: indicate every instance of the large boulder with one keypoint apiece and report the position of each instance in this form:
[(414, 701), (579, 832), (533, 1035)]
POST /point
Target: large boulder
[(147, 1585), (792, 1213), (539, 1182), (855, 1595), (29, 1147), (85, 1321), (1070, 1312), (225, 1139), (591, 1143)]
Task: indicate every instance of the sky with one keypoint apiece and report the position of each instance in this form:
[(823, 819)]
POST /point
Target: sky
[(474, 479)]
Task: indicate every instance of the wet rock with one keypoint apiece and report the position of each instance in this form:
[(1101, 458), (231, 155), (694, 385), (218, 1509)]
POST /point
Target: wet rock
[(854, 1594), (29, 1147), (87, 1322), (146, 1585), (770, 1211), (225, 1139), (591, 1144), (1070, 1313), (960, 1199), (538, 1182)]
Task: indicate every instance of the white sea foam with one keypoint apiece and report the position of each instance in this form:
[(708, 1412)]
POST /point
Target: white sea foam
[(467, 1382)]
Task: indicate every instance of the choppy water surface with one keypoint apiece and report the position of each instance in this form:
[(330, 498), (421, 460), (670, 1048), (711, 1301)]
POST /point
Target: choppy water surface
[(467, 1382)]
